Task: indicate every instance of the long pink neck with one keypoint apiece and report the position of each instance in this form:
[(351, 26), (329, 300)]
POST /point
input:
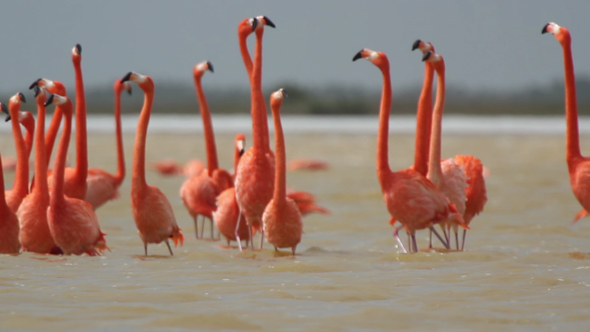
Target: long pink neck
[(29, 136), (81, 143), (434, 168), (571, 105), (258, 104), (57, 190), (212, 163), (383, 169), (119, 132), (423, 122), (40, 154), (52, 133), (280, 192), (138, 175), (21, 179), (245, 54), (3, 205)]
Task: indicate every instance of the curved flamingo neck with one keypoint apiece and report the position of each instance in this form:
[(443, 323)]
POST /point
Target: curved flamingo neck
[(383, 169), (3, 205), (571, 106), (21, 178), (40, 186), (57, 190), (138, 175), (81, 139), (424, 121), (434, 168), (29, 124), (120, 175), (245, 54), (258, 105), (212, 163), (52, 133), (280, 192)]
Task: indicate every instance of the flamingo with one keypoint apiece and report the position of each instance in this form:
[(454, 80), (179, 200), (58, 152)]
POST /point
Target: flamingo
[(151, 209), (9, 227), (35, 235), (452, 181), (26, 119), (281, 217), (578, 165), (101, 185), (307, 164), (198, 193), (410, 198), (227, 213), (72, 221), (75, 178), (254, 180), (20, 188)]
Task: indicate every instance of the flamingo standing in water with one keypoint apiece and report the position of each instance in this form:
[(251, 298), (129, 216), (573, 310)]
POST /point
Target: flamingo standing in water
[(72, 221), (254, 181), (9, 227), (75, 178), (199, 192), (410, 198), (35, 235), (227, 213), (20, 188), (578, 165), (103, 186), (151, 209), (475, 193), (281, 218)]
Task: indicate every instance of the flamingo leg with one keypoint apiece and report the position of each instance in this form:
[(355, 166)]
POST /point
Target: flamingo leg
[(396, 235), (212, 237), (293, 250), (145, 248), (444, 232), (261, 238), (463, 243), (251, 238), (169, 248), (445, 243), (430, 240), (237, 234), (415, 245), (457, 239), (409, 241), (196, 226), (203, 227)]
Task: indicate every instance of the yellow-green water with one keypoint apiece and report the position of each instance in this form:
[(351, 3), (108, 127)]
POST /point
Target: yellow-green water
[(524, 268)]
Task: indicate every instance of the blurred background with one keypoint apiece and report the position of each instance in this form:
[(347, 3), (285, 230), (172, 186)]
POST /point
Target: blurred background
[(497, 60)]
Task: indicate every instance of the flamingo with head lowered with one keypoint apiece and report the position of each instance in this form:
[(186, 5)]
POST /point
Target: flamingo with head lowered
[(410, 198)]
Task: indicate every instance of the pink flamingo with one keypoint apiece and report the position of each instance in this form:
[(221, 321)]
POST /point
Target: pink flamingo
[(307, 164), (26, 119), (35, 235), (199, 192), (20, 188), (9, 227), (72, 221), (410, 198), (103, 186), (281, 217), (578, 165), (151, 209), (254, 181)]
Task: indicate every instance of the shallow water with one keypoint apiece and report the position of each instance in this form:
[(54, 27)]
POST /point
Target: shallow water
[(525, 267)]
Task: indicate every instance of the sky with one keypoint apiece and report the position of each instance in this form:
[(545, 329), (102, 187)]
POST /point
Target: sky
[(488, 45)]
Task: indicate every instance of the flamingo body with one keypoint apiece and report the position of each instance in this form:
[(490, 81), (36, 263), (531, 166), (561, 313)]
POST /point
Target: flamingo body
[(102, 187), (9, 233), (475, 192), (198, 194), (282, 224), (35, 235), (226, 217), (154, 216)]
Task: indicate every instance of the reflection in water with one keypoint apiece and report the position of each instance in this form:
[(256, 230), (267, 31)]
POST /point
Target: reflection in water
[(524, 265)]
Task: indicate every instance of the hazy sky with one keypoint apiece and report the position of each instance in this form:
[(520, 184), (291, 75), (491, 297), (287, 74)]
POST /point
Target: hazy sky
[(487, 44)]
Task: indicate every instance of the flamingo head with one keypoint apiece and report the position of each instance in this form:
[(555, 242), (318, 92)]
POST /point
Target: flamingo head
[(436, 59), (51, 86), (59, 100), (201, 68), (249, 25), (379, 59), (422, 46), (241, 143), (561, 34), (143, 81), (77, 53), (18, 98), (276, 99), (122, 86)]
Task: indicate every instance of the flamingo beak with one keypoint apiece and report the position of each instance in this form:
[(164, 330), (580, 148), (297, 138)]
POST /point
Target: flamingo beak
[(544, 31), (254, 23), (22, 97), (126, 77), (269, 22), (358, 55), (37, 90), (5, 110), (49, 100), (426, 55), (210, 66), (34, 84), (416, 44)]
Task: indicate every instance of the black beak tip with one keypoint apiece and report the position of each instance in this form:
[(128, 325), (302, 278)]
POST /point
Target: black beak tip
[(22, 97), (285, 95), (269, 22), (126, 77), (49, 100), (416, 44), (34, 84), (37, 90), (545, 29), (8, 118), (242, 152), (210, 65), (426, 55), (4, 108), (358, 55), (254, 23), (79, 49)]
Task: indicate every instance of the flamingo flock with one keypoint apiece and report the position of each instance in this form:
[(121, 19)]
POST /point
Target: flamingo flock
[(55, 212)]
